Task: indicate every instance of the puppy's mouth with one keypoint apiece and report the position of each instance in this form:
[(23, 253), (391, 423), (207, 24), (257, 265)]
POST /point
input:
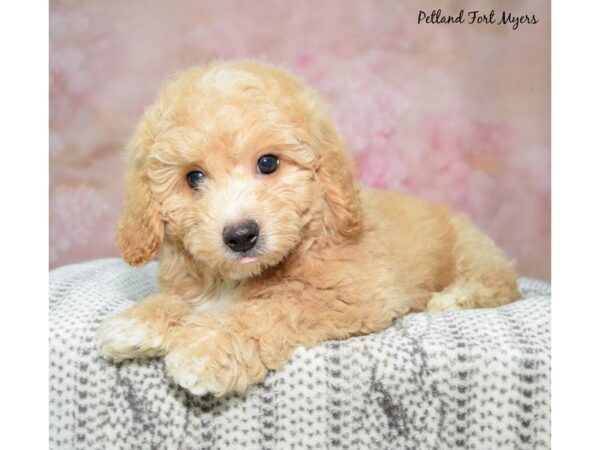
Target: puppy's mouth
[(249, 256), (248, 259)]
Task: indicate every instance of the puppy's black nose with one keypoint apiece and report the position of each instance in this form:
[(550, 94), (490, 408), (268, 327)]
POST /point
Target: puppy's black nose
[(242, 237)]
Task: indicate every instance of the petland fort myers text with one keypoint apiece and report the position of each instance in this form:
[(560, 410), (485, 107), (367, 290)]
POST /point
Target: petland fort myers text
[(505, 18)]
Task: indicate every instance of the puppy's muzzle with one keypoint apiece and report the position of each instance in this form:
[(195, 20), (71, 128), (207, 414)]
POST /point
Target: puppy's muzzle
[(241, 237)]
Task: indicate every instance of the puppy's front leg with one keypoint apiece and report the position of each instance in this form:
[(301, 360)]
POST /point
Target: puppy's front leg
[(141, 330), (229, 351)]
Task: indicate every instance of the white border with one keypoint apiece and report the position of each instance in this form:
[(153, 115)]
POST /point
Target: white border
[(575, 224), (24, 224)]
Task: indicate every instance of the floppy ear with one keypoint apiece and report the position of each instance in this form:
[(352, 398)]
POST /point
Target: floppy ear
[(335, 170), (141, 229)]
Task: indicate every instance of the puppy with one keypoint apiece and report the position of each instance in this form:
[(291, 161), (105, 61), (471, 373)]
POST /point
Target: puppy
[(239, 179)]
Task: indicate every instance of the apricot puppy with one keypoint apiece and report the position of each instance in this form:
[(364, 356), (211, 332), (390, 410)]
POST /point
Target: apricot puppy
[(239, 179)]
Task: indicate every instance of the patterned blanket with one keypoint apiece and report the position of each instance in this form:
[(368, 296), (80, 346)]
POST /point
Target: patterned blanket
[(472, 379)]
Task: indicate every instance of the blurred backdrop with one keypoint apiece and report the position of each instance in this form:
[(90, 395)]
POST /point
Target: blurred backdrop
[(454, 113)]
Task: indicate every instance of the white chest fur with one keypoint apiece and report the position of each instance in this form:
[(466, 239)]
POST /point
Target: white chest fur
[(220, 295)]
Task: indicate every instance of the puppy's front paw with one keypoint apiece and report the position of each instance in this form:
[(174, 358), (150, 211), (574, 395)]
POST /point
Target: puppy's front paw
[(213, 362), (120, 338)]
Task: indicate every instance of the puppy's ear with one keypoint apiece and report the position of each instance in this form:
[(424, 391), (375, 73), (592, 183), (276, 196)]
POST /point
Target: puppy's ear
[(343, 215), (141, 229)]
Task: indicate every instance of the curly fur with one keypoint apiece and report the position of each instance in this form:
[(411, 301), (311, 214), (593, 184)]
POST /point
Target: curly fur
[(333, 260)]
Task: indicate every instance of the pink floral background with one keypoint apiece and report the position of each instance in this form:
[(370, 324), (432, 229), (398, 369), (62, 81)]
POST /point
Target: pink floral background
[(457, 113)]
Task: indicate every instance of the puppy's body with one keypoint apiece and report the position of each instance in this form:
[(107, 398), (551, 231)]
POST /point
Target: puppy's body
[(329, 262)]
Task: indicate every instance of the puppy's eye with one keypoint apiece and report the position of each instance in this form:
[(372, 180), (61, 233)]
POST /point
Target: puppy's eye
[(195, 179), (267, 164)]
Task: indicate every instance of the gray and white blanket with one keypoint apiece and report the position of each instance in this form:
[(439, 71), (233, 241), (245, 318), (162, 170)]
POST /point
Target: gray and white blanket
[(475, 379)]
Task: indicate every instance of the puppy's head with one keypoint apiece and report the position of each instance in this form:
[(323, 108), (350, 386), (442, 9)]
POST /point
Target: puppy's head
[(236, 164)]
